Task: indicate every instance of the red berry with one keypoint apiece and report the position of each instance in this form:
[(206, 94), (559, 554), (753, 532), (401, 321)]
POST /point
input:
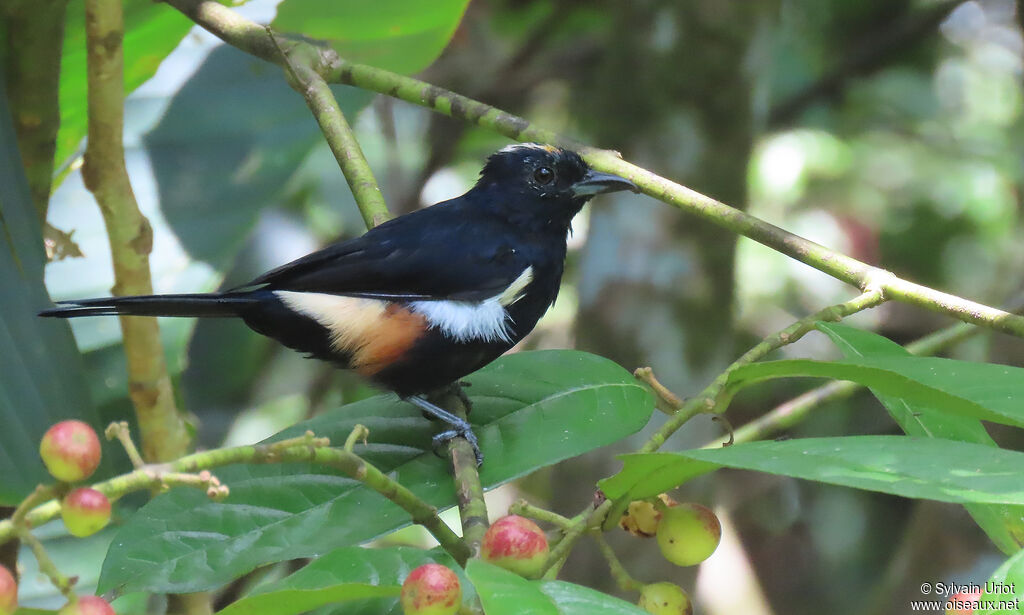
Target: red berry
[(71, 451), (963, 603), (8, 592), (516, 544), (688, 534), (431, 589), (87, 605), (665, 599), (85, 511)]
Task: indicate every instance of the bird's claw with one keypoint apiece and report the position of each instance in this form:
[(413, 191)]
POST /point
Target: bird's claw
[(460, 431)]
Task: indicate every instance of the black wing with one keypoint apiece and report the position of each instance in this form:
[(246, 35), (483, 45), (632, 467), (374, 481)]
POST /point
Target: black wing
[(442, 252)]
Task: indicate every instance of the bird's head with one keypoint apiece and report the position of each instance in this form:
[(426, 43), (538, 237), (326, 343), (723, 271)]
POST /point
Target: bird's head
[(542, 183)]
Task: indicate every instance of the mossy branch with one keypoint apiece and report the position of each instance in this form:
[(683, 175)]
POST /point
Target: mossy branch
[(164, 434)]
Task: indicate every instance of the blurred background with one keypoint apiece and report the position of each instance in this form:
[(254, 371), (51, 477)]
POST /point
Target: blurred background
[(890, 130)]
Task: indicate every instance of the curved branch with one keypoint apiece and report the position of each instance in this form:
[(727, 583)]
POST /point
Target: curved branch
[(338, 133), (253, 38), (302, 449)]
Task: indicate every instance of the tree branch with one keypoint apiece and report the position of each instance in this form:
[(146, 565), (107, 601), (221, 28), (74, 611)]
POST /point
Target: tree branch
[(469, 490), (305, 448), (707, 400), (164, 435), (338, 133), (253, 38), (793, 411)]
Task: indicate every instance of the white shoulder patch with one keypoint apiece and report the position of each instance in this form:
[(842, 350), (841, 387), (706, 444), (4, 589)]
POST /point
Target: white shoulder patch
[(485, 320)]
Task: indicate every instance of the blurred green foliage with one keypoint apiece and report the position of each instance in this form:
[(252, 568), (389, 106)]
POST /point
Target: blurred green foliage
[(889, 129)]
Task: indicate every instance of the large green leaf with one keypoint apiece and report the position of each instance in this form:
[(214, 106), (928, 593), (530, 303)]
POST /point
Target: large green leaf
[(932, 469), (531, 410), (505, 593), (1004, 591), (152, 31), (976, 390), (347, 575), (226, 148), (402, 36), (41, 378), (1003, 523)]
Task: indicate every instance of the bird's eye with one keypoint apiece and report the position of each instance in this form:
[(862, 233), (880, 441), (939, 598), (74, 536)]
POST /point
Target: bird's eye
[(543, 175)]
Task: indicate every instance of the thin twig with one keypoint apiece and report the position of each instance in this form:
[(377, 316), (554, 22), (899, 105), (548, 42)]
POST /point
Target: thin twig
[(795, 410), (189, 470), (359, 432), (623, 579), (46, 565), (709, 398), (525, 509), (121, 431), (337, 132)]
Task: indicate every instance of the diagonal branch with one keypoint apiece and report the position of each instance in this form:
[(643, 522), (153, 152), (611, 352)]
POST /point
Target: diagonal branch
[(253, 38), (164, 435), (338, 133)]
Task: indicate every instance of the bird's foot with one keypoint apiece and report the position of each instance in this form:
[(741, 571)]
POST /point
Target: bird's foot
[(460, 427), (460, 431)]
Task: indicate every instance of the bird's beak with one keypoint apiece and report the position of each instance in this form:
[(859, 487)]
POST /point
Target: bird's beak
[(599, 183)]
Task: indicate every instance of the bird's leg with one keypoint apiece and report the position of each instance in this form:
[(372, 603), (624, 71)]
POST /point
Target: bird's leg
[(459, 426)]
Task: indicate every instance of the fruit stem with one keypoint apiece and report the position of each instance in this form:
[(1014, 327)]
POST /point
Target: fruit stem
[(46, 565), (525, 509), (622, 577), (359, 432), (120, 430), (37, 497)]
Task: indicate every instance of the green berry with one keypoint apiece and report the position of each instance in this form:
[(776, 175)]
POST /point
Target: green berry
[(8, 592), (85, 511), (665, 599), (516, 544), (87, 605), (431, 589), (70, 450), (688, 534)]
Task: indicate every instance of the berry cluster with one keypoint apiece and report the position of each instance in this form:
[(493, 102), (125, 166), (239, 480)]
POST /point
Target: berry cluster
[(71, 453)]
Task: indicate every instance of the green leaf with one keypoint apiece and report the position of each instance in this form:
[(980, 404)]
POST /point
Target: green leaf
[(530, 410), (1004, 591), (402, 36), (1004, 524), (932, 469), (342, 576), (941, 384), (572, 599), (505, 593), (217, 168), (41, 378), (152, 31)]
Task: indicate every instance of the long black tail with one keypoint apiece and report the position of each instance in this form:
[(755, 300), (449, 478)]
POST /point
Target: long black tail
[(223, 305)]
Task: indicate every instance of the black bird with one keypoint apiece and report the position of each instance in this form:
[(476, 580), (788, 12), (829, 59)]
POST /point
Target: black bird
[(422, 300)]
